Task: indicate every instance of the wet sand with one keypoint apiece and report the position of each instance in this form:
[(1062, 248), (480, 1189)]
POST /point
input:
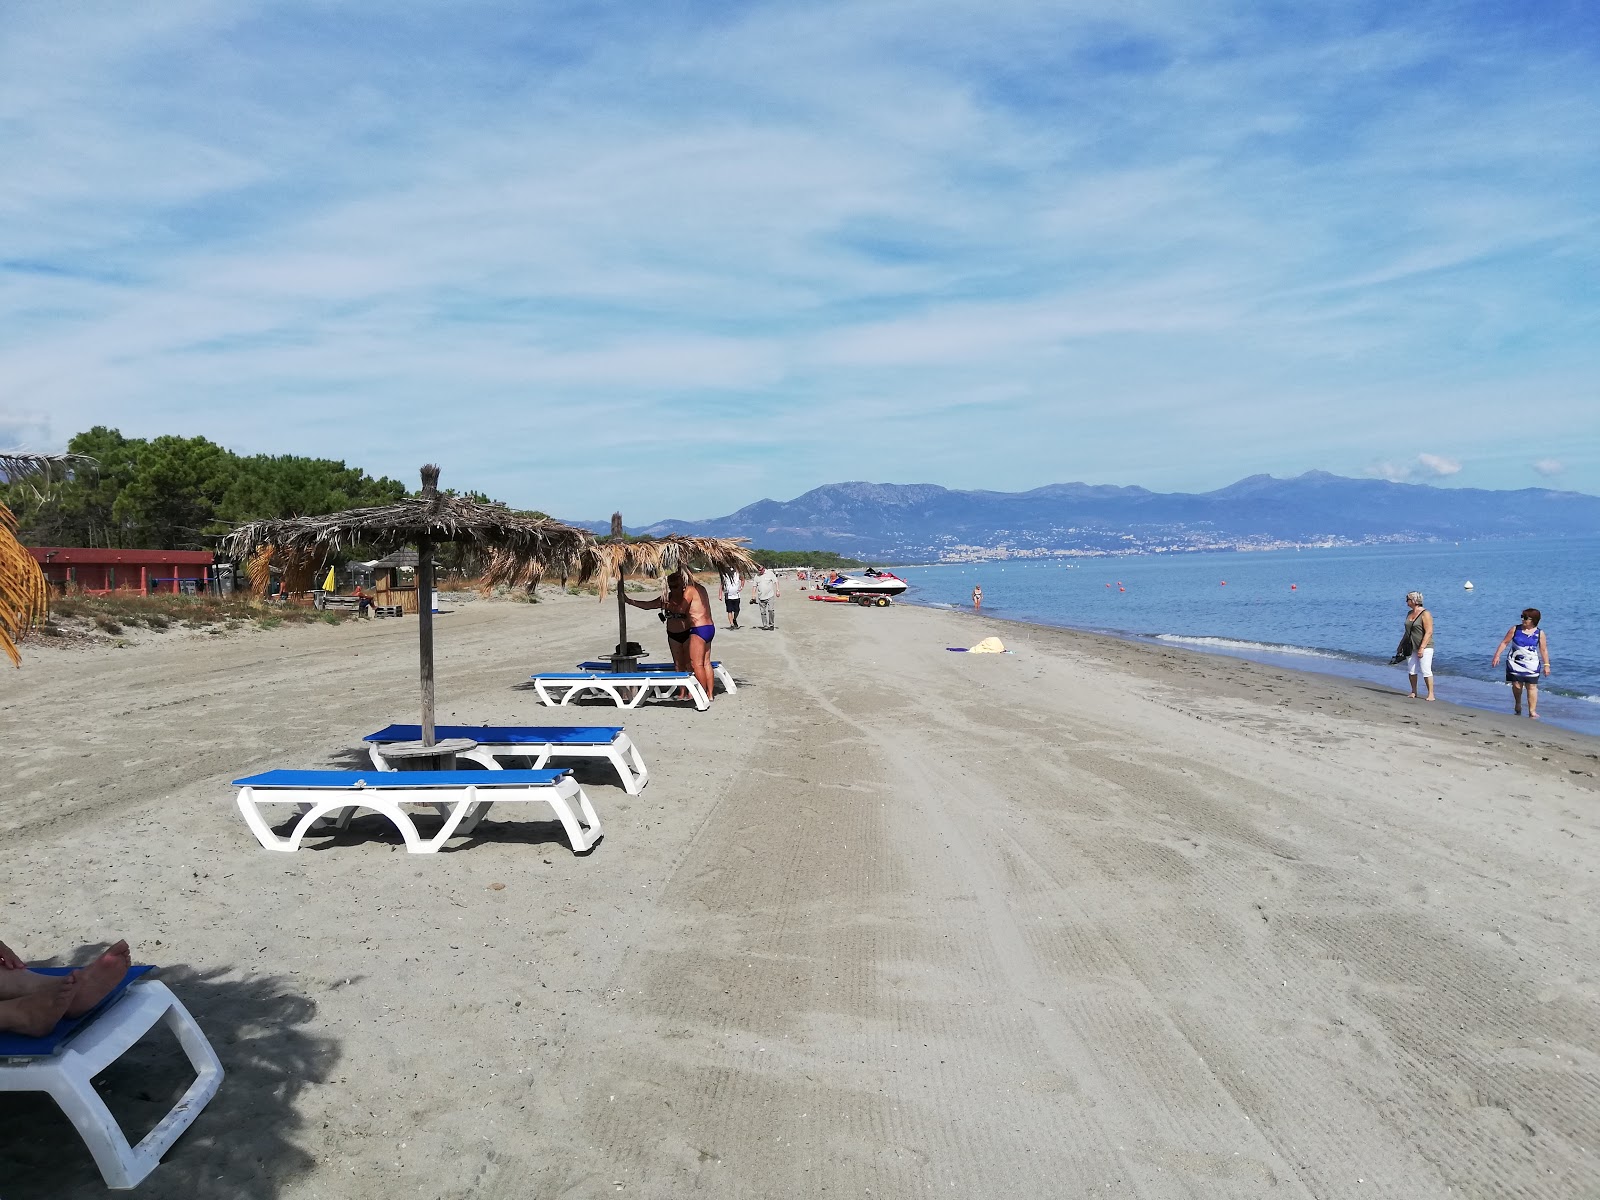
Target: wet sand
[(1088, 918)]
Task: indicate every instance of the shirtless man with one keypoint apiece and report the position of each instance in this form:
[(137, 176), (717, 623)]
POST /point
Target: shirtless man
[(31, 1003), (690, 625)]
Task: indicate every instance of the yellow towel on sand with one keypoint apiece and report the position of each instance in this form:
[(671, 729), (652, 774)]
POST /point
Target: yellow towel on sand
[(989, 645)]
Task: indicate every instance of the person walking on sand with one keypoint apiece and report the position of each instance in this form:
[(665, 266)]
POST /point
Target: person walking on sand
[(687, 604), (1419, 633), (767, 597), (977, 595), (1527, 647), (731, 587)]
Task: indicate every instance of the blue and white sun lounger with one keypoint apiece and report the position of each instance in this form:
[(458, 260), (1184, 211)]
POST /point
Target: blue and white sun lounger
[(460, 797), (720, 672), (65, 1062), (540, 743), (626, 690)]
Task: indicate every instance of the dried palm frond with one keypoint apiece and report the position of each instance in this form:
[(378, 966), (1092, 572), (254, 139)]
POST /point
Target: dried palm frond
[(605, 562), (24, 596), (260, 571)]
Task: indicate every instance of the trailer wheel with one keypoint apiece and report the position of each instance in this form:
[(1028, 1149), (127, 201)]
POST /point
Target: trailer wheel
[(883, 602)]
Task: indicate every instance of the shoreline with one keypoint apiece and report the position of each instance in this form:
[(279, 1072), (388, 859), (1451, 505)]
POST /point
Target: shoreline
[(1479, 691)]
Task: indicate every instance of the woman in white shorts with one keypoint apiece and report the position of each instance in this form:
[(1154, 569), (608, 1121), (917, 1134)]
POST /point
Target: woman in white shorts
[(1419, 631)]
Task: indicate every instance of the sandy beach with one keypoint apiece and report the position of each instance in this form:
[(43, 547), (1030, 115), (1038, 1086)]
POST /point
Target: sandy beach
[(1090, 918)]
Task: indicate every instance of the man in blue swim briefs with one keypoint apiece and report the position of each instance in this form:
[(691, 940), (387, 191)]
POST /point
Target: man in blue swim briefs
[(689, 622)]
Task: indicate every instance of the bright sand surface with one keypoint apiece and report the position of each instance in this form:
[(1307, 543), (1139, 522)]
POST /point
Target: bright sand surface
[(1088, 919)]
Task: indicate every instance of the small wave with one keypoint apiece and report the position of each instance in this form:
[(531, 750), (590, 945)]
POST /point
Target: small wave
[(1221, 643)]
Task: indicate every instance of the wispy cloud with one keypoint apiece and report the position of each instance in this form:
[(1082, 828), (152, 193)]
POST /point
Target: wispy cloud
[(1548, 467), (993, 244)]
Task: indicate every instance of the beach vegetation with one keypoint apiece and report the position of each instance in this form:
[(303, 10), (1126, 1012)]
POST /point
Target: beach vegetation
[(115, 613)]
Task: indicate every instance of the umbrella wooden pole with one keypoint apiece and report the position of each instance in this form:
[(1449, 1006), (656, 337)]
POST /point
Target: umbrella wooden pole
[(425, 633), (622, 600)]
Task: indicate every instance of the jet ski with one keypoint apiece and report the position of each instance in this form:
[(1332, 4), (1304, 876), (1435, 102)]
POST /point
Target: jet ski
[(870, 582)]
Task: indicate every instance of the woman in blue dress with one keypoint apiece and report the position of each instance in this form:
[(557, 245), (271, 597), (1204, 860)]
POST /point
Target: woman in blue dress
[(1527, 647)]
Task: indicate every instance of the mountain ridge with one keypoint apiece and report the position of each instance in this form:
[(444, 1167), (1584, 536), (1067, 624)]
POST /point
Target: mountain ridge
[(927, 521)]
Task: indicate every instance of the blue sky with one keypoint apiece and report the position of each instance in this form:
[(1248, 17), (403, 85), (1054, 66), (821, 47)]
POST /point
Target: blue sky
[(677, 258)]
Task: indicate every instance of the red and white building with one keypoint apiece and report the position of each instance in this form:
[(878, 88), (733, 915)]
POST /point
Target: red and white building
[(144, 571)]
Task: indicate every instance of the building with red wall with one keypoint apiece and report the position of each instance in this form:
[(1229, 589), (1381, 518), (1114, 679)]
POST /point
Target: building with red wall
[(144, 571)]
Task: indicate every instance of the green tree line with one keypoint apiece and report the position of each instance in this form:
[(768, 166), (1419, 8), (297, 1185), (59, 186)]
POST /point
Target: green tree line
[(178, 493)]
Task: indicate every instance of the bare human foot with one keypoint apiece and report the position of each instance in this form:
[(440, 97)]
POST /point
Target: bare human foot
[(97, 979), (36, 1014)]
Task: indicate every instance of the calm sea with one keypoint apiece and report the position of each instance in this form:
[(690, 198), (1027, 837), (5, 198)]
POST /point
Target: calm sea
[(1336, 611)]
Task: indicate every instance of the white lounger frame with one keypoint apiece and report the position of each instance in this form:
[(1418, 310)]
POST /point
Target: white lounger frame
[(68, 1076), (613, 687), (719, 670), (621, 753), (462, 808)]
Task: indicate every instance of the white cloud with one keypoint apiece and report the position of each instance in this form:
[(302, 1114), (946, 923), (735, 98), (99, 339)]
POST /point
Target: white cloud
[(1424, 466), (1548, 466), (1438, 465), (987, 233)]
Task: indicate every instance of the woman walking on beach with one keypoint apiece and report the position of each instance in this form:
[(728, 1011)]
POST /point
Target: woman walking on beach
[(1528, 646), (1419, 633), (977, 595)]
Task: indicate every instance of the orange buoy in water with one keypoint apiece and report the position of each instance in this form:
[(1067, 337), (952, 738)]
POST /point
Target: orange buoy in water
[(1122, 589), (1292, 587)]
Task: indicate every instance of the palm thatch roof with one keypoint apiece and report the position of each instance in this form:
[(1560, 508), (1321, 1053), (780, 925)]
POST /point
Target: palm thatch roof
[(432, 518), (607, 561), (24, 598), (300, 545)]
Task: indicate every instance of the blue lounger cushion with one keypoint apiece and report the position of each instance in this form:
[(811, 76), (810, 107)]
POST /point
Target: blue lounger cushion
[(399, 779), (642, 668), (15, 1045), (608, 676), (505, 735)]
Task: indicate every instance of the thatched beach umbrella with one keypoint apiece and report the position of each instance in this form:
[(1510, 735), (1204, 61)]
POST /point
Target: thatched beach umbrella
[(24, 596), (617, 558), (300, 544)]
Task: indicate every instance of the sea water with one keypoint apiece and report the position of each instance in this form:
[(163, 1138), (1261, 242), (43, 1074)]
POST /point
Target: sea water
[(1337, 610)]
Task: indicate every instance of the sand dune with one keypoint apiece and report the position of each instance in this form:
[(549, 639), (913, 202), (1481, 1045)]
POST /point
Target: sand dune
[(1086, 919)]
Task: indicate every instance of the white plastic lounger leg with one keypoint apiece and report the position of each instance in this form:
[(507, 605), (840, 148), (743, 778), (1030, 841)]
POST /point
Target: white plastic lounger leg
[(725, 677), (581, 838), (310, 813), (542, 688), (625, 757), (69, 1080)]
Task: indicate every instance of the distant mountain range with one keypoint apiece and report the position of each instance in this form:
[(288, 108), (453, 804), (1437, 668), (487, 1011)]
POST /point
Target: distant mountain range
[(923, 522)]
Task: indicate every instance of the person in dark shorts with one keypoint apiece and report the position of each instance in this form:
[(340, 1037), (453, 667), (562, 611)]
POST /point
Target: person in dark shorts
[(732, 586)]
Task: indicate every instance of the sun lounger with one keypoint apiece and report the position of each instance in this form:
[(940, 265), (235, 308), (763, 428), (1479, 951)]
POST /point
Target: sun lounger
[(65, 1062), (539, 743), (624, 690), (460, 797), (722, 674)]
